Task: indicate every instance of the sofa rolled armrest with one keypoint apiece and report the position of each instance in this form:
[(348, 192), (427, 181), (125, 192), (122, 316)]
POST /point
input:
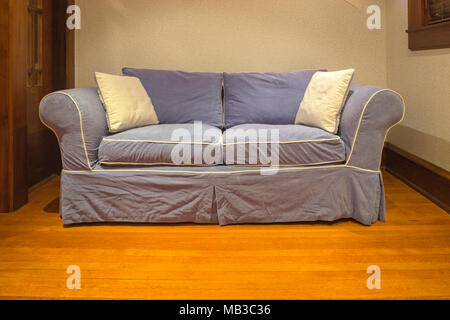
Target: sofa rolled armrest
[(78, 119), (368, 115)]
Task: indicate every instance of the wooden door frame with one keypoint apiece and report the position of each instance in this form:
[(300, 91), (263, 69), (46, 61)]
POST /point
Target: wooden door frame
[(67, 47), (13, 126), (4, 105), (13, 79)]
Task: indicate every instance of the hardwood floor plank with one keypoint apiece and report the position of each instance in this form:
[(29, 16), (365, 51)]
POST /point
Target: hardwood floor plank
[(283, 261)]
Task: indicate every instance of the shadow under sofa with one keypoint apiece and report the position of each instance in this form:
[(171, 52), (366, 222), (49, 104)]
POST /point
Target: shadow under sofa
[(93, 192)]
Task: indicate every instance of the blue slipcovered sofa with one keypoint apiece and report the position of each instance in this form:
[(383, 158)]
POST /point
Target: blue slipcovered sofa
[(129, 177)]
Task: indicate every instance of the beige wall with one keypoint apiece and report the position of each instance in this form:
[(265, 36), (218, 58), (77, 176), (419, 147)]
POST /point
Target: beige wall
[(423, 78), (229, 35), (275, 35)]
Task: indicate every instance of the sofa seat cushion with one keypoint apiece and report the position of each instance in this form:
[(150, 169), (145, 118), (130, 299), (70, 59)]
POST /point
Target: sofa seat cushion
[(164, 144), (298, 145)]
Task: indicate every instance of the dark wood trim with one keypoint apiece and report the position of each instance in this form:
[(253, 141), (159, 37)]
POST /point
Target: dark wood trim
[(42, 183), (428, 179), (4, 105), (429, 37), (64, 47), (23, 139), (59, 44), (13, 117), (424, 36), (416, 14)]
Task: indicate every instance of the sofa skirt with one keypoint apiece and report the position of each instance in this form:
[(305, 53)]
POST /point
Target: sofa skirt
[(221, 195)]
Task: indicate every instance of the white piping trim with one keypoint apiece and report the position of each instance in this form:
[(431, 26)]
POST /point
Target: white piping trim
[(160, 142), (282, 142), (212, 165), (156, 164), (220, 142), (81, 124), (361, 118), (290, 165), (216, 172), (363, 169)]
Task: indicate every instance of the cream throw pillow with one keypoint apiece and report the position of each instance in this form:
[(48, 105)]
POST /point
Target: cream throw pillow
[(126, 102), (324, 99)]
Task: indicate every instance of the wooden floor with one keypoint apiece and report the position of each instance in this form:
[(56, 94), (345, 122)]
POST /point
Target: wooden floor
[(291, 261)]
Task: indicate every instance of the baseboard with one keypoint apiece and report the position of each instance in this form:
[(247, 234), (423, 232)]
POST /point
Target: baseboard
[(431, 181), (41, 183)]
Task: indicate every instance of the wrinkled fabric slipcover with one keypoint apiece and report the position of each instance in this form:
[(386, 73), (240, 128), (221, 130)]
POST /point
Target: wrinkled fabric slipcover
[(153, 145), (265, 98), (224, 195), (91, 192), (250, 144), (183, 97), (295, 145)]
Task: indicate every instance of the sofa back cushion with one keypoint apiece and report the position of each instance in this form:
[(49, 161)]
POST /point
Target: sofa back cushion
[(264, 98), (183, 97)]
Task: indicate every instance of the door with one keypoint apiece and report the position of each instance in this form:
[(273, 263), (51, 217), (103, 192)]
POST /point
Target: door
[(36, 57), (43, 63)]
